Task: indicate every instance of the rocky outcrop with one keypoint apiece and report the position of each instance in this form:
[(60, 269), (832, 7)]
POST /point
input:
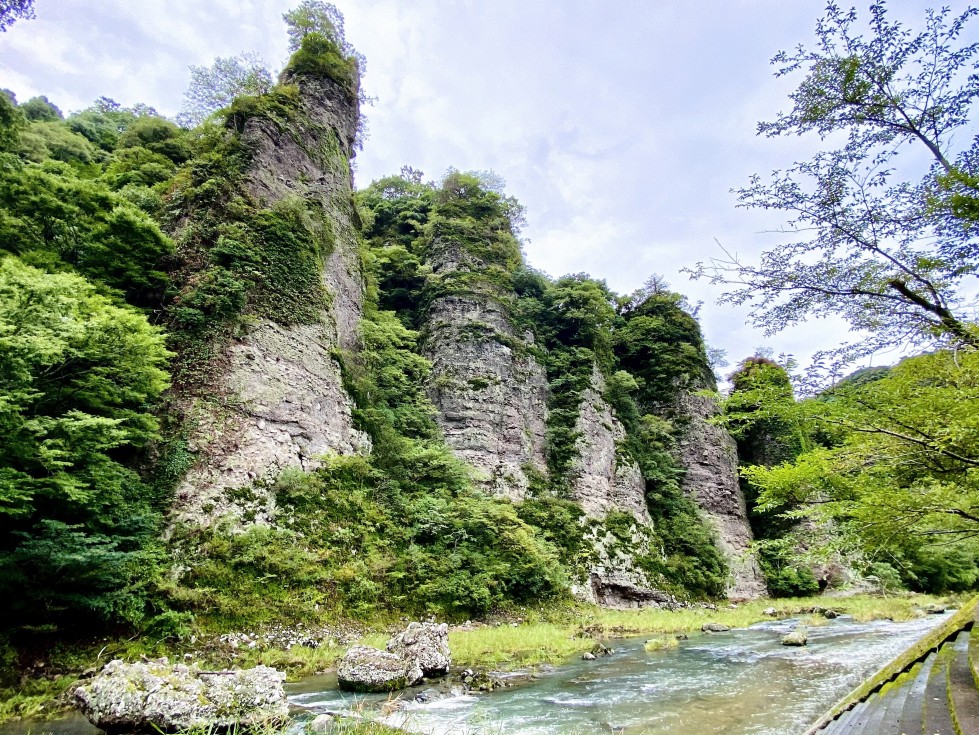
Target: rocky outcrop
[(426, 643), (278, 399), (156, 696), (421, 650), (490, 392), (365, 669), (709, 456), (601, 478), (798, 637)]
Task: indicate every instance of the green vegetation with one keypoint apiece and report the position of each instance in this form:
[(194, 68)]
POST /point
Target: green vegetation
[(880, 466), (645, 349), (889, 463)]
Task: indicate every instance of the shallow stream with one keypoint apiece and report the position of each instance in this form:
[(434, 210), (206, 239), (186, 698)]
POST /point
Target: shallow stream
[(731, 683)]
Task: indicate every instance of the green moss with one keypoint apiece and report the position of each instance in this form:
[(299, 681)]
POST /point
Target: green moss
[(319, 56), (930, 642)]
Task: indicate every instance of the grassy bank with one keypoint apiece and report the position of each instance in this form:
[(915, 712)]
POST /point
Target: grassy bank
[(523, 638), (564, 633)]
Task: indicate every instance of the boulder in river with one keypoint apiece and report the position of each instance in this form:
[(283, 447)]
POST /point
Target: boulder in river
[(427, 643), (798, 637), (933, 609), (365, 669), (715, 628), (155, 696), (830, 614)]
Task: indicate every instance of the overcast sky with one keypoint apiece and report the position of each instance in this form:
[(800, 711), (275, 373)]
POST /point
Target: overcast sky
[(622, 125)]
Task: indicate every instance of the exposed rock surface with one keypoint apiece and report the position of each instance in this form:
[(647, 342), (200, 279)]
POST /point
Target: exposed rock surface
[(365, 669), (427, 643), (715, 628), (156, 696), (602, 479), (490, 392), (278, 400), (709, 456), (798, 637)]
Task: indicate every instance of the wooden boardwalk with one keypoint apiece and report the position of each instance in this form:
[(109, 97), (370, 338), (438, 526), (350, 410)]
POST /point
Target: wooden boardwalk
[(931, 689)]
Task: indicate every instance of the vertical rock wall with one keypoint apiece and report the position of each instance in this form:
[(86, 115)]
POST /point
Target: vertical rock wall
[(490, 392), (601, 479), (278, 400), (709, 456)]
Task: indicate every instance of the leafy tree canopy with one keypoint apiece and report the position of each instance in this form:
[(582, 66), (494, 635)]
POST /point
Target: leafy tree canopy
[(13, 10), (215, 87), (874, 237)]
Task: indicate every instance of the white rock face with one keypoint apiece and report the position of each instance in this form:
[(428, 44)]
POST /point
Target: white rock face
[(601, 479), (491, 394), (156, 696), (427, 643), (277, 400), (709, 455)]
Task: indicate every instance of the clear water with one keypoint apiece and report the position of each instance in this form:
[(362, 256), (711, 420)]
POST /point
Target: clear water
[(739, 682)]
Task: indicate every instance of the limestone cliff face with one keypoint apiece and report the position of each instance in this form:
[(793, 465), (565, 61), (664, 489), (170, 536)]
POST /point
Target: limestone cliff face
[(709, 456), (490, 392), (278, 399), (602, 479)]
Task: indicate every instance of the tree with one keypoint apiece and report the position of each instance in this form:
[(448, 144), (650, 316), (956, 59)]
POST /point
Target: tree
[(316, 16), (214, 87), (879, 238), (897, 463), (78, 373), (13, 10)]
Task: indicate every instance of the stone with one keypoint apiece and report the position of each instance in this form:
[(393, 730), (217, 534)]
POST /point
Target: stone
[(321, 724), (276, 399), (428, 644), (601, 478), (798, 637), (491, 395), (770, 612), (830, 614), (588, 656), (715, 628), (710, 457), (933, 609), (155, 696), (365, 669)]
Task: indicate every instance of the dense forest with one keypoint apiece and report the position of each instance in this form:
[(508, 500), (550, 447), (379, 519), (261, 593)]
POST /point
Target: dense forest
[(139, 258)]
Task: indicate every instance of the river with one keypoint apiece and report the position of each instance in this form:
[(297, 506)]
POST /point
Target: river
[(733, 683), (743, 681)]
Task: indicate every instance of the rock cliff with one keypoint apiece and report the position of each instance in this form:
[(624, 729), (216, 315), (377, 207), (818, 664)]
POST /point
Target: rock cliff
[(709, 456), (490, 392), (277, 399)]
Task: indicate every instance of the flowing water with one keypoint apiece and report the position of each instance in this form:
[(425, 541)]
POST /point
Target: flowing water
[(731, 683)]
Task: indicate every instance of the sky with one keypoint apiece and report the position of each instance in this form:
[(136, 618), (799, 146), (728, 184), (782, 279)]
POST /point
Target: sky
[(622, 125)]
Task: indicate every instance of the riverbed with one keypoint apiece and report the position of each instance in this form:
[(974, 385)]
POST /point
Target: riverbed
[(742, 681)]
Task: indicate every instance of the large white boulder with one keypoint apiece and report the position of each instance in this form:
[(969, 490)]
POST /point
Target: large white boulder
[(154, 696), (427, 643)]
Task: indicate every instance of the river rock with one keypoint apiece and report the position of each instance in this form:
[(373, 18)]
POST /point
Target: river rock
[(588, 656), (934, 609), (321, 724), (427, 643), (365, 669), (715, 628), (155, 696), (831, 614), (798, 637)]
